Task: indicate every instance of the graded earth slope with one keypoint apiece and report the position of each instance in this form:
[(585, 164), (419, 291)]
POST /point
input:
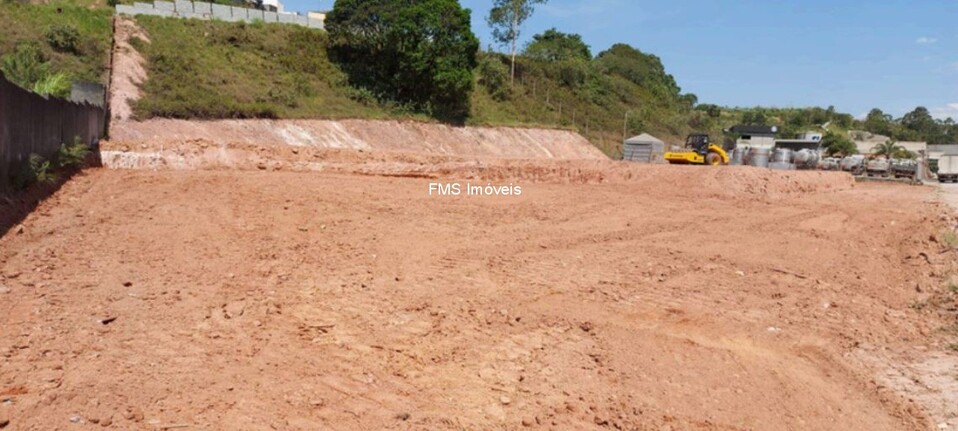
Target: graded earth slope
[(392, 136)]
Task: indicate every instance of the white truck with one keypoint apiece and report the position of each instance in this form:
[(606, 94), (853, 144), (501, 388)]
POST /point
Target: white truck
[(948, 168)]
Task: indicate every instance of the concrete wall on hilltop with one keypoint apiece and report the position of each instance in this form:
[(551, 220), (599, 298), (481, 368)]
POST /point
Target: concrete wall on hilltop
[(207, 11)]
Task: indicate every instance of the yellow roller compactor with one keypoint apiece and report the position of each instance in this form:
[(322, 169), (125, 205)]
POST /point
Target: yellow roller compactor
[(699, 150)]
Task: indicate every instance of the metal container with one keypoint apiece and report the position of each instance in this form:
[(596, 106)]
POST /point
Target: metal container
[(782, 155), (758, 157), (738, 155), (806, 158), (830, 164)]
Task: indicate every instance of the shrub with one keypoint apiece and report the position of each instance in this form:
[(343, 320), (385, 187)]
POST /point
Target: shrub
[(28, 68), (63, 38), (36, 170), (73, 155), (57, 85), (362, 95), (26, 65), (494, 76)]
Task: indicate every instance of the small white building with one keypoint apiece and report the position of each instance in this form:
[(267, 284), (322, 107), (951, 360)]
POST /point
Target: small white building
[(754, 136), (273, 5), (866, 143)]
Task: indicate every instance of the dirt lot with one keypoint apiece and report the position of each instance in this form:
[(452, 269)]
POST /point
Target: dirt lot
[(654, 298)]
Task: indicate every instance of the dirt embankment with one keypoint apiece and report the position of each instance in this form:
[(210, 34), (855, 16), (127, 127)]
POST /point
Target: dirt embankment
[(127, 71), (393, 136)]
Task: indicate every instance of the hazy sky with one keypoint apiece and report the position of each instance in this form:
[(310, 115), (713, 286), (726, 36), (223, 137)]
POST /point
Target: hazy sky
[(855, 55)]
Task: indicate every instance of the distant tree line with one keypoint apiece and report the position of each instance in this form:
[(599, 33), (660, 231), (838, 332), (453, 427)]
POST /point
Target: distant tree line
[(917, 125)]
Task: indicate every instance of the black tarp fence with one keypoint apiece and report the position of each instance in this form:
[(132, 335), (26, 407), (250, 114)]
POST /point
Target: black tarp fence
[(33, 124)]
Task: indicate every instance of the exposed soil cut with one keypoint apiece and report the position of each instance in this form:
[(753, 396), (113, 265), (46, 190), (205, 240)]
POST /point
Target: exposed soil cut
[(128, 70), (394, 136)]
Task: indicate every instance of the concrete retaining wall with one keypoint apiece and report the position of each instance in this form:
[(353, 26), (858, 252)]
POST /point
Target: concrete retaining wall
[(204, 10), (222, 12), (184, 6)]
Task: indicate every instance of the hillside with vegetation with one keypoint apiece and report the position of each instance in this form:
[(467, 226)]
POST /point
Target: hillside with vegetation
[(47, 47), (210, 69), (424, 65), (213, 69)]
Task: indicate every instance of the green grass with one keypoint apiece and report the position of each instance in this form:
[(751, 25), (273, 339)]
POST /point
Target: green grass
[(213, 69), (30, 22)]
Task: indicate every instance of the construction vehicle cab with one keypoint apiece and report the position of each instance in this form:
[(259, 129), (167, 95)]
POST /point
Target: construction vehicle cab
[(699, 150)]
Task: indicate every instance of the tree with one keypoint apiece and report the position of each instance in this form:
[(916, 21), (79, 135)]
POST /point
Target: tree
[(835, 143), (420, 53), (922, 124), (506, 18), (494, 76), (878, 122), (888, 149), (713, 111), (902, 153), (553, 45), (642, 69), (755, 117)]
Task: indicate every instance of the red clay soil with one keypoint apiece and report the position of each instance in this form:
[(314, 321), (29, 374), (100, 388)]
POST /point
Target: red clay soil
[(307, 300)]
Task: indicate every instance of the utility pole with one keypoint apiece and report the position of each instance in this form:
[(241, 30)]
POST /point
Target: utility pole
[(625, 126)]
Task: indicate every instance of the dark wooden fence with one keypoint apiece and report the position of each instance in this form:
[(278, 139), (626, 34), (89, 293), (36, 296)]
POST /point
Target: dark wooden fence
[(32, 124)]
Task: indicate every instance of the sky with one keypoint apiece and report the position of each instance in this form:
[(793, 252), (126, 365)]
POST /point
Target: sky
[(855, 55)]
